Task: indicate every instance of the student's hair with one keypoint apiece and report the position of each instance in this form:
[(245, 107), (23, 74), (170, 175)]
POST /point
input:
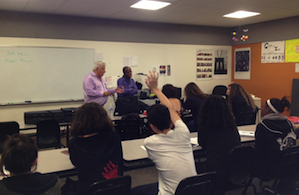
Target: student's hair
[(159, 116), (192, 89), (91, 118), (216, 114), (170, 91), (19, 155), (237, 89), (98, 64), (280, 105)]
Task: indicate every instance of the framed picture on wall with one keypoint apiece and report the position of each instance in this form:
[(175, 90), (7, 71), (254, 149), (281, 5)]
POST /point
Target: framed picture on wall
[(242, 63)]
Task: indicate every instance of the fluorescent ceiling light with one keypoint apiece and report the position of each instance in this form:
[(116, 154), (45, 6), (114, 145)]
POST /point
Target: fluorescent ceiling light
[(241, 14), (150, 5)]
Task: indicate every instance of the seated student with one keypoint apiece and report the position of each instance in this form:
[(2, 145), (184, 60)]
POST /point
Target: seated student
[(95, 149), (194, 99), (170, 150), (274, 134), (19, 158), (239, 100), (217, 135), (171, 93)]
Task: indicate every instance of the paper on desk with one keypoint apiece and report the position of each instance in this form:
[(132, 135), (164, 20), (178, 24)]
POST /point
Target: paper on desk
[(143, 148), (194, 141), (246, 133)]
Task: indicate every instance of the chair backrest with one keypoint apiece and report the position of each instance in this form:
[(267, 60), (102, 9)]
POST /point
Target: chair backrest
[(202, 184), (6, 129), (127, 105), (116, 186), (246, 118), (288, 164), (48, 134), (219, 90), (240, 163), (129, 127)]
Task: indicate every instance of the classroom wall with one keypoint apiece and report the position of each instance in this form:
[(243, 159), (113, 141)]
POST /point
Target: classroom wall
[(268, 80), (181, 57), (34, 25), (276, 30)]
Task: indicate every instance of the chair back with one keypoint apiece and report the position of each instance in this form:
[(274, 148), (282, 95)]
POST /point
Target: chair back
[(202, 184), (129, 127), (6, 129), (240, 164), (127, 105), (219, 90), (116, 186), (246, 118), (48, 134)]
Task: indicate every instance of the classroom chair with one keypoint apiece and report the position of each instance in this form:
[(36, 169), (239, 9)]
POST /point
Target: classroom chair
[(127, 105), (240, 168), (116, 186), (6, 129), (219, 90), (246, 118), (286, 179), (129, 127), (202, 184), (48, 134)]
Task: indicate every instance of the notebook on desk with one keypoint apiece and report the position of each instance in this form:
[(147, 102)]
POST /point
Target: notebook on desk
[(246, 133)]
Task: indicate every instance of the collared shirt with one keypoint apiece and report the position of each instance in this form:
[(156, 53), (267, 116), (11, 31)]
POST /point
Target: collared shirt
[(94, 89), (129, 87)]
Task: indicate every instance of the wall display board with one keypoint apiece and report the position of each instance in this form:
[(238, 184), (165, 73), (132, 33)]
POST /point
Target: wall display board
[(204, 64), (273, 52), (242, 63), (41, 74), (292, 50)]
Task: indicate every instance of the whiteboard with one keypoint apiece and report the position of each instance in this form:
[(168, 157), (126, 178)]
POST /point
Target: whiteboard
[(42, 74)]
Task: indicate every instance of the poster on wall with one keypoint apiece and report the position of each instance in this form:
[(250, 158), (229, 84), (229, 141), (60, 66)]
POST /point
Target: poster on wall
[(273, 52), (204, 64), (131, 61), (242, 63), (292, 50), (220, 64)]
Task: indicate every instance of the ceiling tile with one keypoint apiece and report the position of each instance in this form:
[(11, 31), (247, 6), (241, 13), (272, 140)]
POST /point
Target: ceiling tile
[(13, 5), (103, 10), (75, 8), (44, 6)]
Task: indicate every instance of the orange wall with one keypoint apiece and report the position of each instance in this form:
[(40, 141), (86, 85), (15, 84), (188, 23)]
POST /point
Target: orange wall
[(267, 80)]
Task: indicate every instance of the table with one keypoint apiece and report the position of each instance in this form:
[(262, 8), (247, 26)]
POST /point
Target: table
[(132, 149)]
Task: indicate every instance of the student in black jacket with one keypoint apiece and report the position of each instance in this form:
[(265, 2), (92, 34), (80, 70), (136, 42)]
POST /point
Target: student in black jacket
[(95, 149), (19, 158), (274, 134)]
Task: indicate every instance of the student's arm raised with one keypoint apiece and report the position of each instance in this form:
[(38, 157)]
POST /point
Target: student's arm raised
[(152, 83)]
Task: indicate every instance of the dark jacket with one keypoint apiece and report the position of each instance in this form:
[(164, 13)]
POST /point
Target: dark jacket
[(218, 143), (193, 103), (98, 157), (239, 105), (274, 134), (31, 184)]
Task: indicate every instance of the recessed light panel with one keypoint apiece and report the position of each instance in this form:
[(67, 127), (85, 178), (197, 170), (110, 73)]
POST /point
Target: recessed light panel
[(241, 14), (150, 5)]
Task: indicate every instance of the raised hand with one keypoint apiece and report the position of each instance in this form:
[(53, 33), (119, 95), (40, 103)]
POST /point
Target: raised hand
[(152, 80)]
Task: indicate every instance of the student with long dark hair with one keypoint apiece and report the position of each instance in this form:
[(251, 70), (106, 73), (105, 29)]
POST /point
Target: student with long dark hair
[(19, 158), (274, 134), (95, 149), (217, 135), (194, 100), (239, 100)]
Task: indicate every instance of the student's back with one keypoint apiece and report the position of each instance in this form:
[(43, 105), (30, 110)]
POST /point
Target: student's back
[(19, 157)]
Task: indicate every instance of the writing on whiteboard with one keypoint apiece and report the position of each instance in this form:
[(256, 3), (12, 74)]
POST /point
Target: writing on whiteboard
[(17, 57)]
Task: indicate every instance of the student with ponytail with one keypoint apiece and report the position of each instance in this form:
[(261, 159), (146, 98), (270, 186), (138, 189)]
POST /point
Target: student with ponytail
[(274, 134)]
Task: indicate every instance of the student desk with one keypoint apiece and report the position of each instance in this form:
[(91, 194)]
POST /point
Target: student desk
[(135, 156)]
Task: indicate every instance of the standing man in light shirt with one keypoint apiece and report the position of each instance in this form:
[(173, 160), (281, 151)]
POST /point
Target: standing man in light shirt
[(94, 86)]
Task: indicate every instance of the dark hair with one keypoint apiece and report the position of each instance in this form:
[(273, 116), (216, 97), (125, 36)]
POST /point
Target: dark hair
[(280, 105), (159, 116), (124, 69), (170, 91), (216, 114), (91, 118), (192, 89), (18, 155), (237, 89)]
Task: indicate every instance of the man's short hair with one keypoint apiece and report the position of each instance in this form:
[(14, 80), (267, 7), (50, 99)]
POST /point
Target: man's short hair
[(98, 64), (124, 69), (159, 116)]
